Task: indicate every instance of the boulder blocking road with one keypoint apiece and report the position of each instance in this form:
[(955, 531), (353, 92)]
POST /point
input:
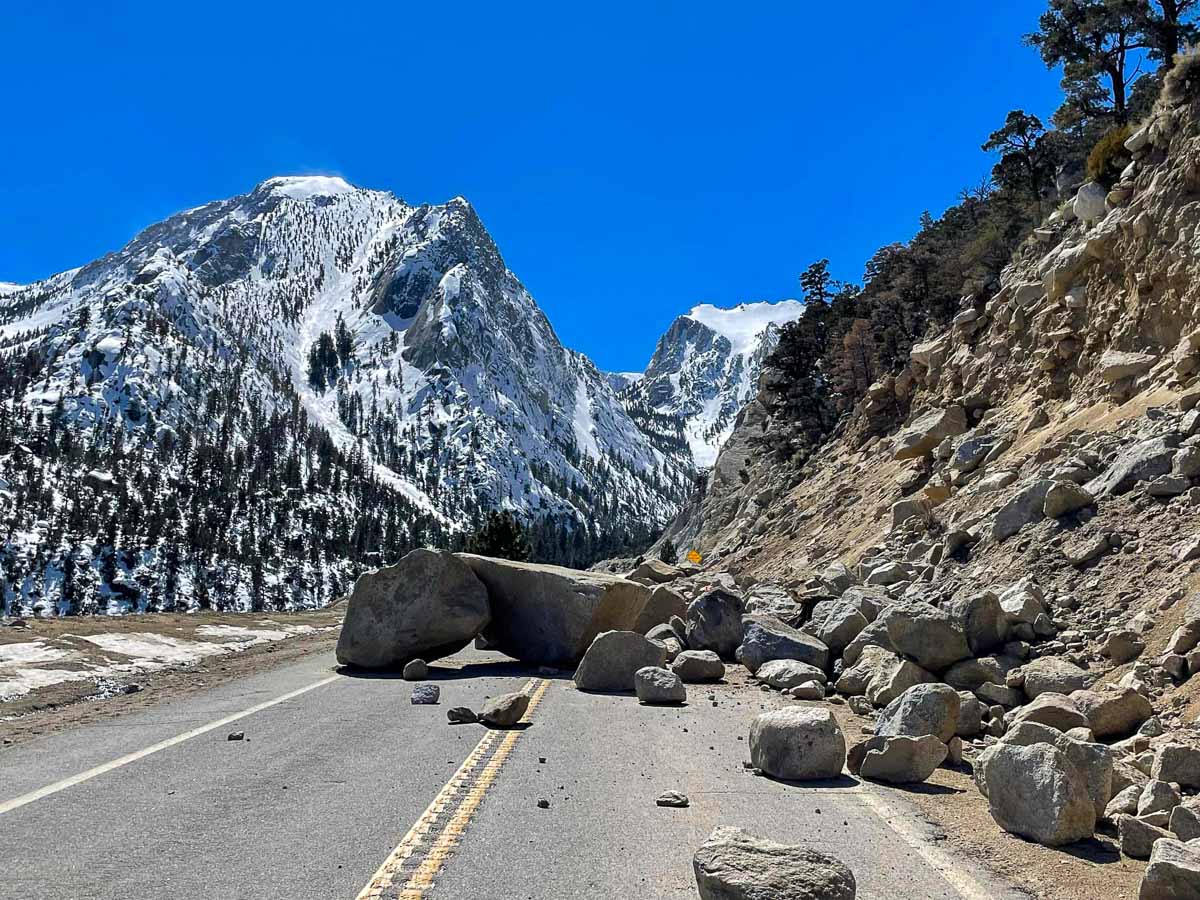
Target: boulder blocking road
[(342, 788)]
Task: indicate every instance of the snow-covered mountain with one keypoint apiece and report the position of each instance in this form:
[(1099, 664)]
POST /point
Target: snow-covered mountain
[(370, 366), (706, 368)]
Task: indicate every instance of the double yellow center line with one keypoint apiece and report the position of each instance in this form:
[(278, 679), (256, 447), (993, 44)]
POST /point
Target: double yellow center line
[(409, 870)]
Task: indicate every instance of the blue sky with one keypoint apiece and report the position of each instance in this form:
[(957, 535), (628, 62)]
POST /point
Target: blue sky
[(631, 159)]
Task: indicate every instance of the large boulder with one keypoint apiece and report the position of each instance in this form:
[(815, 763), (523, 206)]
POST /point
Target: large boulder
[(655, 685), (549, 615), (714, 622), (798, 743), (835, 623), (874, 635), (1116, 365), (655, 571), (1053, 710), (765, 639), (926, 635), (428, 605), (855, 678), (1143, 461), (695, 666), (921, 710), (1038, 793), (1050, 674), (971, 674), (928, 430), (1114, 711), (1065, 497), (898, 759), (661, 606), (610, 663), (1089, 204), (1094, 762), (773, 600), (1173, 872), (982, 621), (736, 865), (782, 674), (1178, 763), (1023, 601), (1025, 508), (881, 675), (1137, 837), (970, 716)]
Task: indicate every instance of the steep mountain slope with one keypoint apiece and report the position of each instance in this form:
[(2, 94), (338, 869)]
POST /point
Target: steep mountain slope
[(332, 339), (706, 368), (1046, 445)]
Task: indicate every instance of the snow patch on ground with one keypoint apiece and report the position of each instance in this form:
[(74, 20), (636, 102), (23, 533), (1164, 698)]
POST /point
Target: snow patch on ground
[(31, 653), (155, 647), (22, 666), (248, 637)]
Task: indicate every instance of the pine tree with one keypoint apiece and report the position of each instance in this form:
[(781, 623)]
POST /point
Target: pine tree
[(501, 536)]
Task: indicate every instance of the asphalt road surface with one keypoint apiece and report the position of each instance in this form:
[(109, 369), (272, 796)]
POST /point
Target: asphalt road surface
[(342, 789)]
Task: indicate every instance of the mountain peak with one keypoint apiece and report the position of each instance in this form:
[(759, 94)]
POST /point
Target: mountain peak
[(744, 323), (706, 367), (305, 187)]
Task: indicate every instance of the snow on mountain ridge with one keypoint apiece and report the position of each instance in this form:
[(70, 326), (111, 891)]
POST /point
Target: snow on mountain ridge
[(743, 324), (304, 187), (705, 368)]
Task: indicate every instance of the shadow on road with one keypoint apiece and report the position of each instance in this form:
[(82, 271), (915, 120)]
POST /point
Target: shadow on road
[(841, 781), (500, 668), (1094, 851), (932, 790)]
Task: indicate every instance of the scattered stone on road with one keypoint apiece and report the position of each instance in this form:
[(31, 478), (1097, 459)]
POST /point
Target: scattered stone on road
[(543, 803), (415, 670), (461, 715), (426, 694), (695, 666), (655, 685), (236, 736), (672, 798), (736, 865), (899, 759), (614, 657), (798, 743), (504, 711)]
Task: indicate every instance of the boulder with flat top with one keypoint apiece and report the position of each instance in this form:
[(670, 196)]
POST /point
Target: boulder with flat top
[(428, 605), (549, 615)]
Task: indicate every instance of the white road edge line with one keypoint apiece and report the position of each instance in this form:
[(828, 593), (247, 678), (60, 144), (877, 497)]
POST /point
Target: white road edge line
[(950, 869), (25, 799)]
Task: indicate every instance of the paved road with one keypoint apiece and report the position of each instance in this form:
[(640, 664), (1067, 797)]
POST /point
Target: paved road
[(346, 790)]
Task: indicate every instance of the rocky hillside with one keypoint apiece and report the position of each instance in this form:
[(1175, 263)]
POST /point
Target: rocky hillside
[(255, 397), (1016, 512)]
